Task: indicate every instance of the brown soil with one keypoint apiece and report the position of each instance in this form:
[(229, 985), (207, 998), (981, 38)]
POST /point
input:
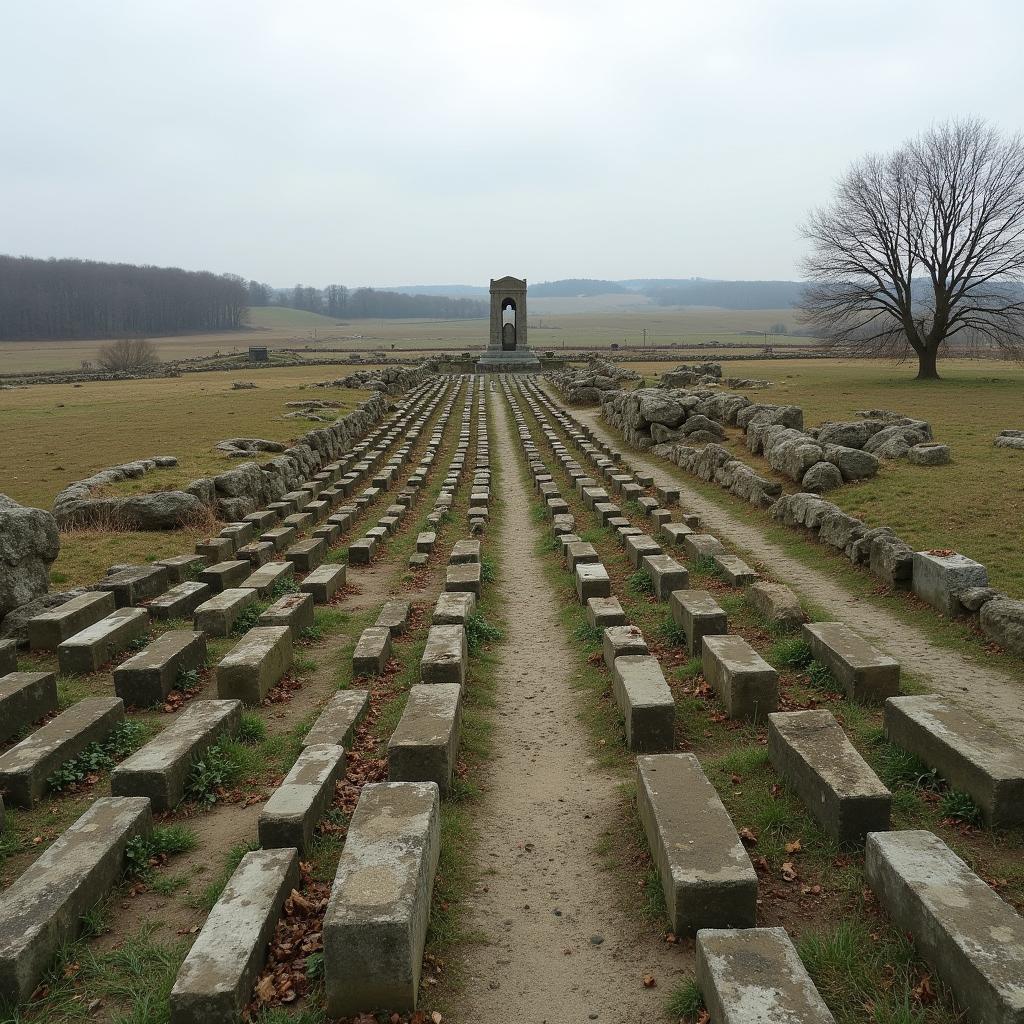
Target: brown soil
[(557, 946), (986, 691)]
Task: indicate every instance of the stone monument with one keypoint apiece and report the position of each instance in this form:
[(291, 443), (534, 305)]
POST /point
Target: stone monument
[(506, 346)]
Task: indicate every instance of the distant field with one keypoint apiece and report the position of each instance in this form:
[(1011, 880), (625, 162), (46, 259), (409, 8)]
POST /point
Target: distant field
[(975, 504), (290, 328), (57, 433)]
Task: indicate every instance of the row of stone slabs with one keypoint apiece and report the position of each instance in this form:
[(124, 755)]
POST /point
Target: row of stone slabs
[(914, 874), (218, 973), (259, 660), (45, 905)]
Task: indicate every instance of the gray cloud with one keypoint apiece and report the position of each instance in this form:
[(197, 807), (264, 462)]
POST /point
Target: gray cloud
[(396, 142)]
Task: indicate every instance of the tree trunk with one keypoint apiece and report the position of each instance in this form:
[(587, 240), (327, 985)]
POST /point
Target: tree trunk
[(927, 368)]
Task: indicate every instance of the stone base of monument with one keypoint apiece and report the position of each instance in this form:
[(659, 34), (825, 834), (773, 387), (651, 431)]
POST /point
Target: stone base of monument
[(508, 361)]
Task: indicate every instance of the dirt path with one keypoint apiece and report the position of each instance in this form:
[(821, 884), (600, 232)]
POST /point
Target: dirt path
[(557, 948), (990, 692)]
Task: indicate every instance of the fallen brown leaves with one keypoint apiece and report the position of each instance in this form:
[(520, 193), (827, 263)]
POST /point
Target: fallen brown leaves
[(282, 692)]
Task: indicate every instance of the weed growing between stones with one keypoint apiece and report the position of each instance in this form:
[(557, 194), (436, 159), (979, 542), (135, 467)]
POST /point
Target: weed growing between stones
[(99, 756), (640, 582), (211, 774), (249, 618), (488, 572), (685, 1001), (144, 853), (672, 632), (251, 728), (960, 807), (480, 632), (790, 652)]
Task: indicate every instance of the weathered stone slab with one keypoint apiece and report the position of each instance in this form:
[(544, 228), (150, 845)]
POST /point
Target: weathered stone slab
[(811, 752), (645, 700), (639, 546), (258, 553), (733, 570), (776, 603), (25, 768), (43, 909), (618, 641), (160, 769), (293, 610), (666, 574), (674, 533), (747, 686), (95, 645), (218, 615), (603, 612), (256, 663), (48, 629), (453, 608), (241, 533), (394, 615), (580, 553), (425, 541), (592, 580), (969, 754), (180, 601), (971, 937), (464, 551), (372, 650), (939, 578), (337, 722), (25, 697), (755, 974), (445, 655), (862, 671), (280, 536), (376, 921), (266, 577), (289, 818), (361, 551), (225, 575), (697, 614), (328, 533), (705, 872), (465, 576), (425, 744), (216, 549), (147, 678), (135, 585), (215, 982), (702, 546), (181, 568), (9, 656), (307, 554), (324, 582)]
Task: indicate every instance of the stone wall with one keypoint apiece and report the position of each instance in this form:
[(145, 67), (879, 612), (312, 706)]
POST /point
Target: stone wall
[(587, 385), (29, 544)]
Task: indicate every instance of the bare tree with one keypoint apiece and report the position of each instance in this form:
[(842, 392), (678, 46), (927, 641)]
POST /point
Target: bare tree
[(128, 355), (921, 246)]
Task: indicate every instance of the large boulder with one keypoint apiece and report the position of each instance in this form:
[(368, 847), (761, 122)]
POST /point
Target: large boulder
[(701, 423), (664, 435), (892, 560), (1003, 620), (909, 435), (245, 481), (822, 476), (658, 407), (853, 463), (839, 530), (29, 544), (785, 415), (849, 435), (928, 454), (162, 510)]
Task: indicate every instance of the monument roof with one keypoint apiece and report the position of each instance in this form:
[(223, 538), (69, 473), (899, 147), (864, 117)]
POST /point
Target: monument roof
[(507, 282)]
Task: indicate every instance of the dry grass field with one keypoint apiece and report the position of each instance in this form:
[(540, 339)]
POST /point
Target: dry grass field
[(57, 433), (975, 504), (289, 328)]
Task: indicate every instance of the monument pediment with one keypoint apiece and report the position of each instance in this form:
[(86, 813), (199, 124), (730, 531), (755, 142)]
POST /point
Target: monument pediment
[(507, 282)]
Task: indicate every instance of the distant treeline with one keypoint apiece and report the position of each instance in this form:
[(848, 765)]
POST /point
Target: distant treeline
[(82, 299), (340, 302), (573, 287), (726, 294)]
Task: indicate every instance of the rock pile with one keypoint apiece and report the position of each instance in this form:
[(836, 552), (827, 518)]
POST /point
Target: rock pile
[(692, 373), (391, 380), (75, 506), (589, 384), (718, 465), (1010, 439), (29, 544), (246, 447)]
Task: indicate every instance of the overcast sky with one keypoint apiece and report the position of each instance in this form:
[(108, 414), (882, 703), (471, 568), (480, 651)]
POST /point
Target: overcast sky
[(408, 143)]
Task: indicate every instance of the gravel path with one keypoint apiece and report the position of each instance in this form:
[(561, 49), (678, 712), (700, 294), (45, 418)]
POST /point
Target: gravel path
[(557, 947)]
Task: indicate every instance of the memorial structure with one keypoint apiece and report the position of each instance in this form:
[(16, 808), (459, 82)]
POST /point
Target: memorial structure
[(507, 347)]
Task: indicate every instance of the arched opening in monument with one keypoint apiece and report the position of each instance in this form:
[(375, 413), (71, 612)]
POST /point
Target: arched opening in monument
[(508, 325)]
